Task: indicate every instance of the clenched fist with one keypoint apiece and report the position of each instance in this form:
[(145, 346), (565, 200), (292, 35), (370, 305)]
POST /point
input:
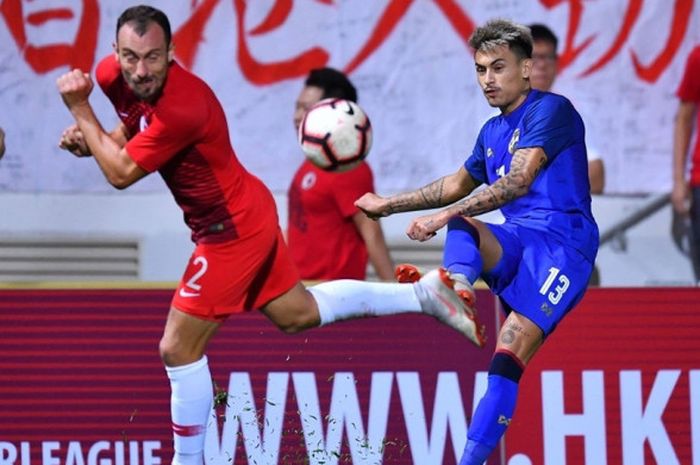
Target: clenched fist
[(72, 140), (75, 87), (373, 205)]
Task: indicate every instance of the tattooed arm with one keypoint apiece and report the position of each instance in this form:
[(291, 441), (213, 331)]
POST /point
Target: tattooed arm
[(524, 168), (444, 191), (439, 193)]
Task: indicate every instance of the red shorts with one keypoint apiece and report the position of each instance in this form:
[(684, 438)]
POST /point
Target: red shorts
[(234, 277)]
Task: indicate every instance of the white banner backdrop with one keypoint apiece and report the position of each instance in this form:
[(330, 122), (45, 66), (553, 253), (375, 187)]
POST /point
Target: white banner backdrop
[(621, 63)]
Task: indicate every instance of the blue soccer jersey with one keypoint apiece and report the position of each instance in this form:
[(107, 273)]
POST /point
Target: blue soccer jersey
[(559, 201)]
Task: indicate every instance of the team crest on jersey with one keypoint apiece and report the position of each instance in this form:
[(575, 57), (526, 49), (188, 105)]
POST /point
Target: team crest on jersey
[(143, 124), (514, 141), (308, 181), (489, 152)]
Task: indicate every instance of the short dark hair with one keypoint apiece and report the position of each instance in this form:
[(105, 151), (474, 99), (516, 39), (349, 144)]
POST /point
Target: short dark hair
[(499, 32), (141, 16), (541, 33), (334, 83)]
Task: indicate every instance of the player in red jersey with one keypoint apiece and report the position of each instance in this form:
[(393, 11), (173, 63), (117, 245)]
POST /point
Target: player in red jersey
[(172, 122), (327, 235), (685, 195)]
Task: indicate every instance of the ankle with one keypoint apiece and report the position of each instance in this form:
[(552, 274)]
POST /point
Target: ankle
[(475, 453), (187, 459), (461, 282)]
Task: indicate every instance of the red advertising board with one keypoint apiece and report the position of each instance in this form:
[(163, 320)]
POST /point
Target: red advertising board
[(617, 383), (81, 383)]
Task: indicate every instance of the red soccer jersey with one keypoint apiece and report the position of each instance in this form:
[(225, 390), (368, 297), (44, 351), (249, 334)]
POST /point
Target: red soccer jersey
[(322, 238), (689, 91), (184, 135)]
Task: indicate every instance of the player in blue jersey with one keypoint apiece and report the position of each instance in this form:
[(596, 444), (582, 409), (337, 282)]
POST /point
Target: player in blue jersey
[(532, 159)]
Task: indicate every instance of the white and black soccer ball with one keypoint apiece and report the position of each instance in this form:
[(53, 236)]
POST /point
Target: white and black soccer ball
[(335, 134)]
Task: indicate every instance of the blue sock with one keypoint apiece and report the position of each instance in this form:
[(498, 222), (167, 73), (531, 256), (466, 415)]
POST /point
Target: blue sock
[(494, 412), (475, 453), (462, 249)]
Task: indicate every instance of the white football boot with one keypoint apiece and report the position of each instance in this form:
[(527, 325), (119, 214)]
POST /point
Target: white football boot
[(438, 297)]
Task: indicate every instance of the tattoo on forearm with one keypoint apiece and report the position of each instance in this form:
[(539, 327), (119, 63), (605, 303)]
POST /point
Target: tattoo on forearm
[(432, 193), (430, 196), (422, 193), (515, 184)]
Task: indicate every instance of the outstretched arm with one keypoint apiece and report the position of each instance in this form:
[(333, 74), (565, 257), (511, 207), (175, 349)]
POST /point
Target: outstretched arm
[(524, 168), (116, 164), (439, 193)]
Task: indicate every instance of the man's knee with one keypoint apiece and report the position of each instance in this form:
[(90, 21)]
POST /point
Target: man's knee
[(169, 351), (175, 352), (297, 321), (294, 311)]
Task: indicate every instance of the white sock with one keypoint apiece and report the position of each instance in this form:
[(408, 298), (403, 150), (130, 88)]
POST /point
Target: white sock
[(346, 298), (190, 407), (461, 282)]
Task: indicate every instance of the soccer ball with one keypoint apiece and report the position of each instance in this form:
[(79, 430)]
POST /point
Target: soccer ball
[(335, 134)]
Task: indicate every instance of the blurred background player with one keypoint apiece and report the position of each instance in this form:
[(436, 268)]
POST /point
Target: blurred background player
[(171, 122), (545, 66), (685, 195), (327, 235)]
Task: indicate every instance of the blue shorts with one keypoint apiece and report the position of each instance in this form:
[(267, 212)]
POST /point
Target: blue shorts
[(537, 277)]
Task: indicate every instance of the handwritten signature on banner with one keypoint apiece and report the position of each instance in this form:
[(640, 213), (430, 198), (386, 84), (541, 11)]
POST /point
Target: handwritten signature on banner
[(81, 52)]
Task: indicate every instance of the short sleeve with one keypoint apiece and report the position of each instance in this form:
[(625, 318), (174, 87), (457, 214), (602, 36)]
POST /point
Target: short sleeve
[(349, 186), (475, 164), (168, 133), (689, 88), (107, 75), (552, 124), (106, 72)]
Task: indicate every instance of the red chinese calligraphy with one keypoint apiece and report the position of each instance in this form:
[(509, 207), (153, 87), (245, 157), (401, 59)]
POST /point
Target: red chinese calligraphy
[(458, 19), (44, 58), (21, 17), (681, 17), (633, 9), (571, 51), (190, 35), (575, 48), (679, 27)]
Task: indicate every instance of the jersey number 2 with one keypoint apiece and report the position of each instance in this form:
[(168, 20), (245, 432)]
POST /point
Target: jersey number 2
[(192, 282), (562, 285)]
